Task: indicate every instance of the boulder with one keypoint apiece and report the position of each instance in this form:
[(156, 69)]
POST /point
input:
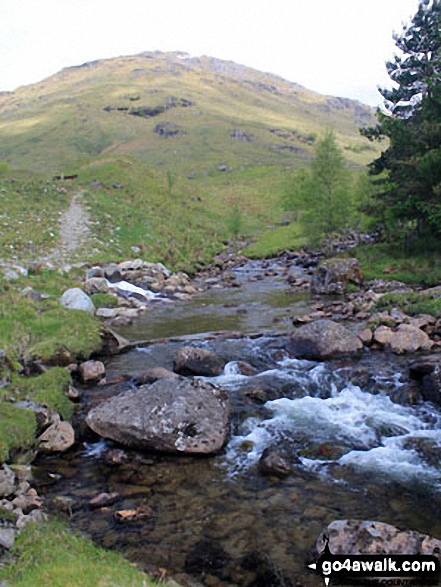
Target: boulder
[(323, 339), (366, 537), (272, 462), (197, 361), (103, 500), (431, 390), (171, 415), (7, 481), (333, 275), (405, 339), (92, 371), (59, 437), (96, 285), (76, 299), (7, 538), (152, 375), (408, 339)]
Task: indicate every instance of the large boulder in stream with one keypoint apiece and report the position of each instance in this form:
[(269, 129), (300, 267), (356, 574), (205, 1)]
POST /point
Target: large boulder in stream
[(196, 361), (171, 415), (333, 275), (323, 339), (369, 537)]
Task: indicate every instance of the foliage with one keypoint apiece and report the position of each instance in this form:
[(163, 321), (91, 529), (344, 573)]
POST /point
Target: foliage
[(50, 554), (17, 429), (235, 220), (324, 195), (409, 170)]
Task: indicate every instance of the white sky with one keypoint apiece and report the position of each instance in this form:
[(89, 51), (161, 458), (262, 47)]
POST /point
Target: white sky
[(335, 47)]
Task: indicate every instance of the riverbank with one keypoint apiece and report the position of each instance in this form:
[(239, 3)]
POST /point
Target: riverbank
[(223, 277)]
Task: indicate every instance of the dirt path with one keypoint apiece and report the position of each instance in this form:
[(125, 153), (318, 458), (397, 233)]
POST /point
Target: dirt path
[(74, 231)]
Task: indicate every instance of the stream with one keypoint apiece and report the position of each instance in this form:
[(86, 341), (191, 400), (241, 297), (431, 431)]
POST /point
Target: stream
[(354, 453)]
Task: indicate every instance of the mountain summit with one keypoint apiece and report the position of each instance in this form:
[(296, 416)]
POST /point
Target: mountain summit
[(186, 113)]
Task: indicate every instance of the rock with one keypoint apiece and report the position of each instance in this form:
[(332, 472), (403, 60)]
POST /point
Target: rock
[(405, 339), (366, 537), (113, 273), (59, 437), (382, 335), (424, 366), (28, 502), (103, 500), (171, 415), (152, 375), (272, 463), (76, 299), (421, 320), (123, 516), (95, 272), (408, 339), (323, 339), (7, 481), (92, 371), (333, 275), (107, 313), (365, 336), (7, 538), (197, 361), (112, 342), (96, 285), (431, 390), (127, 290)]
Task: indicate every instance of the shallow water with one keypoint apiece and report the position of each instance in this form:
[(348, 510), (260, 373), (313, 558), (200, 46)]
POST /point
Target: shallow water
[(354, 453)]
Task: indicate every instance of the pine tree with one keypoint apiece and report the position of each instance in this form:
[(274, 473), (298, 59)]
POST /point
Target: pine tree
[(409, 186)]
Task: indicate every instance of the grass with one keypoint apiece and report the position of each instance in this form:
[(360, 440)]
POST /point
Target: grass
[(65, 117), (30, 207), (43, 328), (276, 240), (49, 554), (412, 303), (381, 261), (17, 429), (48, 389)]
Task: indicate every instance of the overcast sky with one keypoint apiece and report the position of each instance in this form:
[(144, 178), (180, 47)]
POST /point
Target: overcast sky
[(335, 47)]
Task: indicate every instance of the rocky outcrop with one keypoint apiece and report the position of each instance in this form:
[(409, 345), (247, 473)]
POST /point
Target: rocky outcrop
[(333, 276), (196, 361), (323, 339), (366, 537), (171, 415)]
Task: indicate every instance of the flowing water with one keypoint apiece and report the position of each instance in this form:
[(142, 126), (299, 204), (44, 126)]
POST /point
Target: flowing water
[(354, 452)]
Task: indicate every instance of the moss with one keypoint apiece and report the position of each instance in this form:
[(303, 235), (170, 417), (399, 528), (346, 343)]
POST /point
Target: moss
[(17, 429), (49, 554), (101, 300), (48, 389), (412, 303)]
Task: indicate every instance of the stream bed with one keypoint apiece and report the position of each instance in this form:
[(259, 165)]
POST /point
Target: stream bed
[(354, 453)]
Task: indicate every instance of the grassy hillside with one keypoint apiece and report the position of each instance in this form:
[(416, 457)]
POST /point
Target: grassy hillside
[(187, 115)]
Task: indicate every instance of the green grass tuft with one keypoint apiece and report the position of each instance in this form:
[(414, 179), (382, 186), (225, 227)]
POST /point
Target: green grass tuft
[(276, 240), (17, 429), (48, 389), (49, 554)]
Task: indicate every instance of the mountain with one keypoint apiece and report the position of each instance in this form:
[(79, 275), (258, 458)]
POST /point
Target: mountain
[(191, 115)]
